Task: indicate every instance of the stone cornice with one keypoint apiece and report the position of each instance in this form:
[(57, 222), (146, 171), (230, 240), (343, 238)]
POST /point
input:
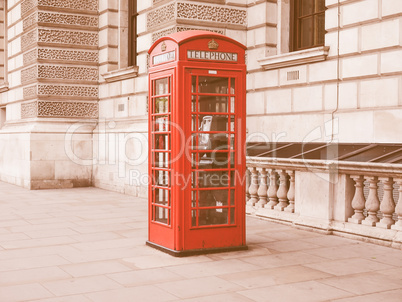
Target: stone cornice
[(305, 56), (121, 74)]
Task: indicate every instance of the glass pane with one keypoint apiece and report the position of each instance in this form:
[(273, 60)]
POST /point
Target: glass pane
[(193, 103), (212, 141), (213, 198), (212, 85), (307, 7), (232, 216), (319, 5), (232, 85), (161, 196), (213, 104), (161, 178), (213, 216), (212, 179), (162, 105), (194, 218), (161, 141), (306, 32), (161, 160), (162, 215), (232, 104), (193, 84), (162, 86), (161, 124), (232, 197), (212, 123), (319, 29)]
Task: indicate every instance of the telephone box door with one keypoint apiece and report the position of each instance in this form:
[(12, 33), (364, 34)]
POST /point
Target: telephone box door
[(214, 215), (161, 199)]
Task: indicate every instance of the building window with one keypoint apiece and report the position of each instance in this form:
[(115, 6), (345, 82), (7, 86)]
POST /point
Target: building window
[(132, 33), (308, 24)]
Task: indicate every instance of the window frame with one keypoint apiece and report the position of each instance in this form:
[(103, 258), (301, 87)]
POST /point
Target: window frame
[(132, 32), (295, 27)]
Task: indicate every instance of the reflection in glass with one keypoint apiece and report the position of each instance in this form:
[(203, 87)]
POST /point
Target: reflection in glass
[(161, 141), (213, 198), (161, 196), (162, 215), (213, 85), (306, 32), (213, 104), (162, 86), (162, 105), (161, 160), (212, 216), (232, 216), (161, 178)]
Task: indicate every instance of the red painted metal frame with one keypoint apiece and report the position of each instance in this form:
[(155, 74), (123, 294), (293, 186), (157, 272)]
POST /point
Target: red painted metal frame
[(180, 236)]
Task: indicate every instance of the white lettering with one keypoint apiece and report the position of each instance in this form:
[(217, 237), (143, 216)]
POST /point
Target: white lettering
[(212, 55)]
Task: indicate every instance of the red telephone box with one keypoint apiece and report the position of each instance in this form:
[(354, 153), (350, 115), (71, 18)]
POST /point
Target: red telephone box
[(197, 93)]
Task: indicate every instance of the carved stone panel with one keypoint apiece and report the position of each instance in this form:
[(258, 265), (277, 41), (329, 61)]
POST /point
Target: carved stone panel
[(212, 13), (67, 91), (29, 39), (29, 92), (29, 110), (29, 74), (86, 5), (62, 19), (162, 33), (68, 55), (67, 73), (67, 109), (67, 37), (30, 57), (161, 15)]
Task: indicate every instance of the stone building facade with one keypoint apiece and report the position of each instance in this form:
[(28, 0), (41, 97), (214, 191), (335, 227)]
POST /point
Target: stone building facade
[(73, 91)]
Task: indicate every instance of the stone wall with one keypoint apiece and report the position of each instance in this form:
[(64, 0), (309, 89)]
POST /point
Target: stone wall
[(293, 95)]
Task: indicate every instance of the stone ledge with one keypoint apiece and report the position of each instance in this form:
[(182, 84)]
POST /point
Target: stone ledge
[(121, 74), (305, 56)]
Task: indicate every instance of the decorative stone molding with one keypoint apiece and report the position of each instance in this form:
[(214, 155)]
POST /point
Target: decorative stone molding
[(29, 21), (67, 73), (87, 5), (29, 39), (162, 33), (196, 12), (68, 55), (76, 20), (67, 109), (29, 74), (30, 57), (29, 110), (161, 15), (67, 37), (305, 56), (27, 5), (57, 18), (67, 90), (29, 92), (212, 13)]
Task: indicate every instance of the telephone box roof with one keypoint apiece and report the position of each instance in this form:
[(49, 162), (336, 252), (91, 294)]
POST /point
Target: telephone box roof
[(185, 36)]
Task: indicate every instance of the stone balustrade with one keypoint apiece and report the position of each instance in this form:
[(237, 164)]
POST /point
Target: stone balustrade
[(358, 200)]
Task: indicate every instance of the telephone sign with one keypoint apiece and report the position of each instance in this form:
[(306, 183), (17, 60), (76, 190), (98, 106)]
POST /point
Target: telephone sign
[(197, 94)]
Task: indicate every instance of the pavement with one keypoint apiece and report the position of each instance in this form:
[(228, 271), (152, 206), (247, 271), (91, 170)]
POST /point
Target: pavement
[(88, 244)]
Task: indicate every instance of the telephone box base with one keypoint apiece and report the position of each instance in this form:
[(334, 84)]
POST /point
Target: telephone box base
[(196, 251)]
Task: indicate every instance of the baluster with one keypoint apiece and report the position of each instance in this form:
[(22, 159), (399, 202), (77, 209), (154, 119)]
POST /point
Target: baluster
[(262, 189), (282, 191), (387, 206), (398, 208), (291, 193), (372, 202), (272, 190), (358, 201), (247, 184), (253, 189)]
